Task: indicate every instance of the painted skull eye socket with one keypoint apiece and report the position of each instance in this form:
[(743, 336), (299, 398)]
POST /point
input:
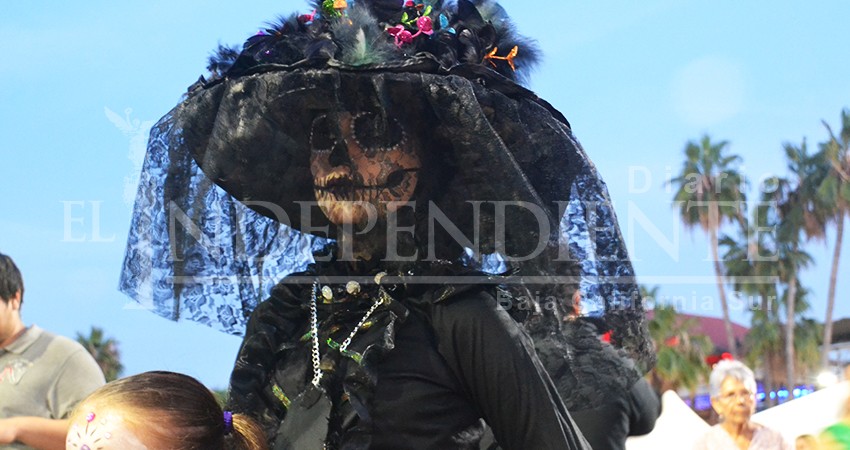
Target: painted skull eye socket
[(322, 135), (375, 132)]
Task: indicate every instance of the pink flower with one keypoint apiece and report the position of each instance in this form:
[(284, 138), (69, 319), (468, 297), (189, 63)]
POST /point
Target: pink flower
[(408, 4), (405, 37), (307, 18), (425, 25), (401, 35)]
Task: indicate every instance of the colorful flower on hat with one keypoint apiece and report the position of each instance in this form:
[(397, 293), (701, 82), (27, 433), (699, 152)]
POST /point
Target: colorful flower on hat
[(333, 8), (421, 22), (444, 24), (307, 19), (425, 25), (509, 57), (401, 35)]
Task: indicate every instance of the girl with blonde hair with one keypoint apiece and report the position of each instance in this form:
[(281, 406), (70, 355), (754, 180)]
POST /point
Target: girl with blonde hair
[(159, 410)]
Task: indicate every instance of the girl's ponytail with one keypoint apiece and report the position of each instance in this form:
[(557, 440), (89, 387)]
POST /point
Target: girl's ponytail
[(245, 434)]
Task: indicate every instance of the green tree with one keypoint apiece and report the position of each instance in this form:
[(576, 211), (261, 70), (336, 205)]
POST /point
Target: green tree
[(221, 396), (768, 256), (792, 259), (104, 351), (807, 342), (751, 268), (709, 192), (835, 191), (764, 344), (800, 211), (681, 353), (793, 211)]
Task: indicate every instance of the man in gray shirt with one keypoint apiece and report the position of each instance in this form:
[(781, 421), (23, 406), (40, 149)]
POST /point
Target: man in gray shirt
[(42, 376)]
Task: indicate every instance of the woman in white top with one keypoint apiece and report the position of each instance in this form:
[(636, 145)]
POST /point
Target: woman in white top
[(733, 389)]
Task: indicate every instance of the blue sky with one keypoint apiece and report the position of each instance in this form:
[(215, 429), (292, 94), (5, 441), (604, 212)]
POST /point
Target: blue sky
[(636, 80)]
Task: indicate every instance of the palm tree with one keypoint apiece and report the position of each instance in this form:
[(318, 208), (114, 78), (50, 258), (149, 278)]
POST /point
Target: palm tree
[(835, 191), (709, 193), (801, 209), (792, 259), (764, 344), (104, 351), (807, 342), (798, 211), (681, 354), (750, 266), (759, 261)]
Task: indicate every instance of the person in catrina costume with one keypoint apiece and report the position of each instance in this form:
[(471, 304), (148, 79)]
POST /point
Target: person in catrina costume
[(369, 194)]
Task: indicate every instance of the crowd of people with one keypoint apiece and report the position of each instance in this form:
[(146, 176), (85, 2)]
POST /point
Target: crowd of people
[(444, 249)]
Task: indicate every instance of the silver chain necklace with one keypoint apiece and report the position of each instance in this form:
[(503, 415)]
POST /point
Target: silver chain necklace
[(314, 329)]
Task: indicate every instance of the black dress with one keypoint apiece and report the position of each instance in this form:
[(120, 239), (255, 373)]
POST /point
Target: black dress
[(426, 371)]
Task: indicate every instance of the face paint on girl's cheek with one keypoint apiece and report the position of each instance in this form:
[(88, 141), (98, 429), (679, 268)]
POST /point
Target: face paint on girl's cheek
[(101, 431)]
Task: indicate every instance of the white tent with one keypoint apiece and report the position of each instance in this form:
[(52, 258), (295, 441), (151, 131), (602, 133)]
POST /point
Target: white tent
[(806, 415), (677, 427)]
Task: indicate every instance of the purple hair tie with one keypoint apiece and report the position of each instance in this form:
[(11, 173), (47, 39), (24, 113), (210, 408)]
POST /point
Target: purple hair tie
[(228, 422)]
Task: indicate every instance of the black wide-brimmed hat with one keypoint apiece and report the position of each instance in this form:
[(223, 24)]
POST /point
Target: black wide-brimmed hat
[(250, 135), (221, 198)]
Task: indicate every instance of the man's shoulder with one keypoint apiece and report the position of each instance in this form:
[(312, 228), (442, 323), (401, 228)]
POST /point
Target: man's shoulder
[(69, 357), (59, 342), (59, 348)]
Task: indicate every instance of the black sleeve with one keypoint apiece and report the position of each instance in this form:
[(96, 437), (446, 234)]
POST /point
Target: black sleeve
[(271, 324), (645, 407), (496, 363)]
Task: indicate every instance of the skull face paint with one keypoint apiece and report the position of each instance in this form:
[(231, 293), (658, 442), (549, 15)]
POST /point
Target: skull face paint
[(361, 163)]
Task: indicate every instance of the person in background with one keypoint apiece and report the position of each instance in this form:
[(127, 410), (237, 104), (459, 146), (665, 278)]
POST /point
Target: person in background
[(159, 410), (806, 442), (837, 436), (733, 396), (42, 375), (631, 408), (607, 426)]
